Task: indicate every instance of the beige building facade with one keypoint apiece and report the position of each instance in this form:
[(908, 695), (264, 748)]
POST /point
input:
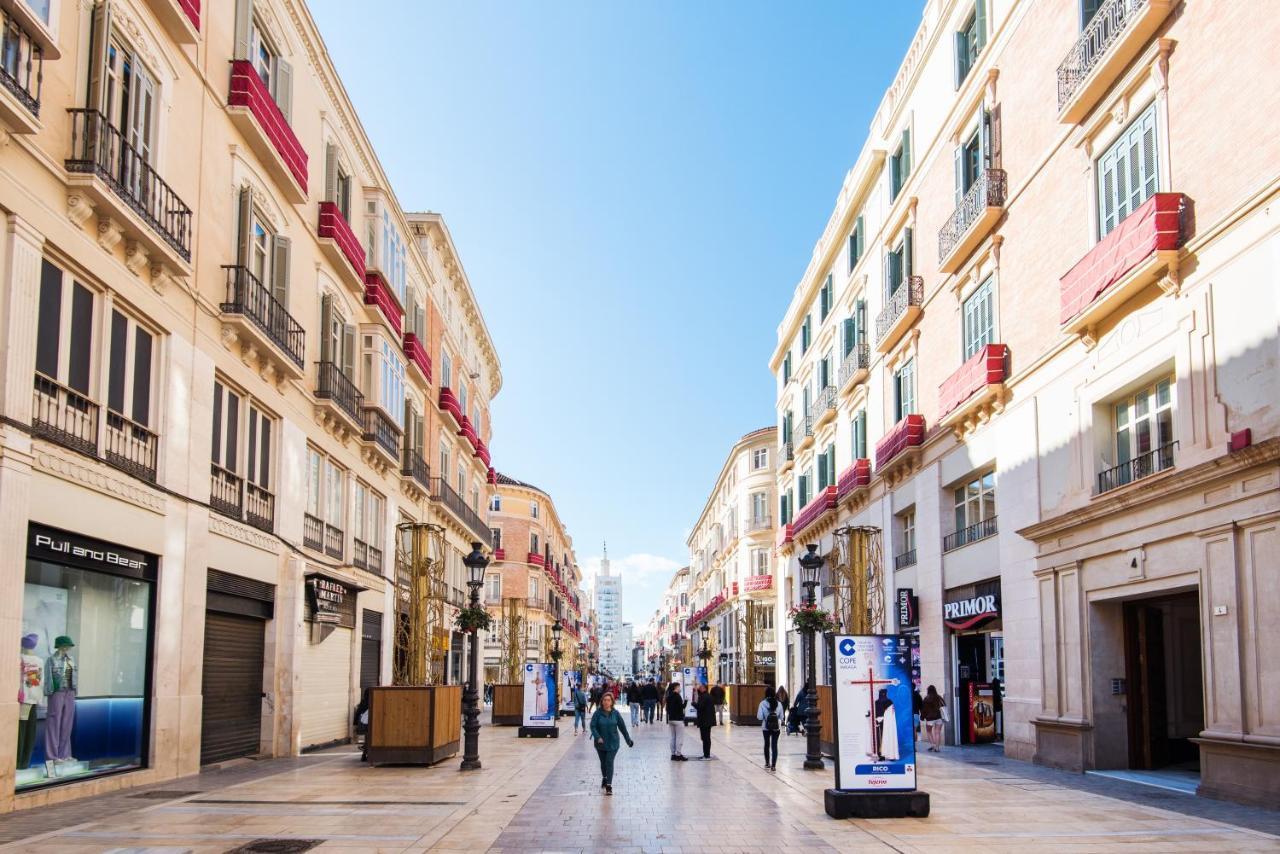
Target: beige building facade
[(230, 368), (1036, 347)]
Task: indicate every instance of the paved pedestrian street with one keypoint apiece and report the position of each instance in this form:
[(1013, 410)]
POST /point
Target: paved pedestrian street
[(544, 795)]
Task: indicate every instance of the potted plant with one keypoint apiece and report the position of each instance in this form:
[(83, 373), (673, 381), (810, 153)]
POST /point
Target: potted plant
[(473, 619), (811, 618)]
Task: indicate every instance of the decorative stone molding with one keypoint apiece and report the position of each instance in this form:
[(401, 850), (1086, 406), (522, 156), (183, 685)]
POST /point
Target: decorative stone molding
[(375, 460), (110, 233), (79, 208), (335, 425), (135, 257), (980, 409), (242, 533), (98, 477)]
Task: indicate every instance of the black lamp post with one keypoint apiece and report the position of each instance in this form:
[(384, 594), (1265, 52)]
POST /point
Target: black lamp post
[(556, 629), (476, 563), (705, 653), (810, 569)]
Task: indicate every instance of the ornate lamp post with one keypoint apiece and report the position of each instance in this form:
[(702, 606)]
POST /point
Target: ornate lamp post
[(810, 570), (556, 654), (476, 563), (704, 654)]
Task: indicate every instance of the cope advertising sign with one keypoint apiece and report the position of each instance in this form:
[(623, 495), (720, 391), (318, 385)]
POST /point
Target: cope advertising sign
[(875, 738), (539, 695), (571, 680)]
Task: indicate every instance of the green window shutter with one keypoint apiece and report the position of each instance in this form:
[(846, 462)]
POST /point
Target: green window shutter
[(1088, 8), (906, 154), (960, 66), (980, 25), (326, 328), (959, 175), (860, 435), (280, 270), (848, 337), (860, 315), (908, 254)]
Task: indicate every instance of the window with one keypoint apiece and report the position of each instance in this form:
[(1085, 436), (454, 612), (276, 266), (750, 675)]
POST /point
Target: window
[(898, 262), (806, 331), (326, 503), (495, 503), (907, 526), (900, 165), (786, 368), (759, 507), (760, 561), (391, 261), (533, 589), (493, 587), (254, 44), (969, 164), (970, 40), (904, 391), (337, 338), (533, 510), (978, 320), (1143, 434), (975, 502), (804, 486), (826, 299), (261, 252), (1128, 172), (787, 432), (391, 388), (824, 372), (337, 181), (1089, 8), (826, 467), (444, 462), (534, 543), (857, 243), (129, 370), (858, 430), (446, 370), (759, 459), (241, 439), (64, 337), (784, 508), (496, 534)]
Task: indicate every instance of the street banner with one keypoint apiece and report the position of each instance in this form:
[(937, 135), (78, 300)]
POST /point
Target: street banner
[(569, 682), (875, 737), (539, 695)]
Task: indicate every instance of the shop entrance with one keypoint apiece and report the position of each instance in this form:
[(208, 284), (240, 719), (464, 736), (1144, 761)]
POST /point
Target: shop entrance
[(231, 720), (1165, 707), (979, 678)]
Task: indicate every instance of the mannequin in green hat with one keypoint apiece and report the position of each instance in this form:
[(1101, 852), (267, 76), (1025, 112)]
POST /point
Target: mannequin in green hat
[(60, 693)]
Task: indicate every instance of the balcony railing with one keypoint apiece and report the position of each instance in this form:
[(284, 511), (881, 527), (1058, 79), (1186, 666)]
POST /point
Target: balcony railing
[(907, 558), (130, 447), (333, 384), (987, 191), (414, 466), (1103, 31), (21, 65), (381, 430), (759, 523), (971, 534), (259, 507), (1143, 465), (248, 297), (99, 148), (226, 492), (312, 532), (788, 451), (64, 416), (333, 541), (442, 492), (909, 293), (825, 401), (806, 425), (859, 359), (366, 557)]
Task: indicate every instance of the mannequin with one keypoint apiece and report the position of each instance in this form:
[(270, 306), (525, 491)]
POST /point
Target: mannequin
[(60, 691), (30, 695)]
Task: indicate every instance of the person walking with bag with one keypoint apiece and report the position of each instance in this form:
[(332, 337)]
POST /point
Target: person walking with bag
[(705, 717), (606, 727), (579, 709), (770, 714), (675, 721), (934, 711)]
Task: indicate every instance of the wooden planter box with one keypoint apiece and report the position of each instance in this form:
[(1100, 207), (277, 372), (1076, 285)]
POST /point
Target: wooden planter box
[(414, 725), (745, 703), (508, 705)]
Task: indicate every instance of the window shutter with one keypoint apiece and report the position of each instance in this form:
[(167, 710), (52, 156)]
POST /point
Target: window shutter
[(349, 351), (888, 273), (1106, 194), (284, 89), (849, 337), (993, 120), (331, 173), (861, 315), (280, 246), (99, 38), (420, 324), (118, 356), (980, 25), (217, 424), (244, 216), (326, 329), (1150, 173), (142, 342), (906, 154), (907, 253), (244, 23), (959, 155), (860, 230), (1088, 8), (958, 66)]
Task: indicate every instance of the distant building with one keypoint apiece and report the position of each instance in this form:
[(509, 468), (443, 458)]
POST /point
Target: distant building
[(608, 589)]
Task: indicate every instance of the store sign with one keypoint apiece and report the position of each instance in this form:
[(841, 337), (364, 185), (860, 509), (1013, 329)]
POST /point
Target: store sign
[(86, 553), (327, 599), (765, 659), (875, 736), (908, 608), (967, 613)]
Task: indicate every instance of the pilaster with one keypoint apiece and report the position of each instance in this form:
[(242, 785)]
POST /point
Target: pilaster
[(19, 298)]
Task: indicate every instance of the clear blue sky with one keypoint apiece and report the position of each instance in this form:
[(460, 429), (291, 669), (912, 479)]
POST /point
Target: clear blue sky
[(635, 189)]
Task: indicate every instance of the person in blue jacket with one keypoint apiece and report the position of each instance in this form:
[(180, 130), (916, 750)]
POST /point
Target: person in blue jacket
[(606, 726)]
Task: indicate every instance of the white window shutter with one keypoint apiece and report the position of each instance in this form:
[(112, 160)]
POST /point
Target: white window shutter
[(284, 88), (331, 173), (280, 249), (244, 26)]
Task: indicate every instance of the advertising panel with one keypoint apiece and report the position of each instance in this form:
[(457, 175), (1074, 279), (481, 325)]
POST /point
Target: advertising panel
[(539, 695), (875, 740), (690, 679), (569, 682)]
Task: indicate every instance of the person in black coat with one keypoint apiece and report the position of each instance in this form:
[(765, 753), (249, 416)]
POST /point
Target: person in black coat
[(649, 696), (675, 721), (706, 718)]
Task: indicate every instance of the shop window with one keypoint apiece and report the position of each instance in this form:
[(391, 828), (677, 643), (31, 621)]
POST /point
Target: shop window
[(85, 670)]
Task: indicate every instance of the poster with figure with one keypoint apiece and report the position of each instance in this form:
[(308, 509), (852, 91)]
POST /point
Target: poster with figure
[(690, 679), (539, 694), (568, 682), (875, 739)]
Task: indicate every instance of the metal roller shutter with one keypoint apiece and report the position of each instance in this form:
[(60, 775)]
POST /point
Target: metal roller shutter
[(325, 706), (370, 649), (231, 721)]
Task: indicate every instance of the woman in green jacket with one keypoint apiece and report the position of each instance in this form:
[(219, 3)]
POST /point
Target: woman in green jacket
[(606, 724)]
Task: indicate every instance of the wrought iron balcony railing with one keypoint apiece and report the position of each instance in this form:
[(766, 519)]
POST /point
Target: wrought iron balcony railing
[(21, 64), (443, 493), (312, 532), (1103, 30), (987, 191), (259, 507), (333, 384), (333, 538), (130, 447), (414, 466), (760, 523), (826, 400), (858, 359), (909, 293), (1143, 465), (907, 558), (971, 534), (226, 493), (381, 430), (788, 451), (99, 148), (249, 297), (62, 415)]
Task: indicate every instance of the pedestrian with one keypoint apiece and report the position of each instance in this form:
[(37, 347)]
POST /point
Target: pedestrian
[(596, 693), (606, 725), (661, 691), (916, 702), (675, 721), (633, 702), (796, 717), (649, 695), (770, 716), (784, 698), (934, 711), (579, 709), (705, 717), (717, 697)]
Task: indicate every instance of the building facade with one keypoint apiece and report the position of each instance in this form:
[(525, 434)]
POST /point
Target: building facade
[(227, 363), (614, 657), (731, 564), (533, 582), (1036, 348)]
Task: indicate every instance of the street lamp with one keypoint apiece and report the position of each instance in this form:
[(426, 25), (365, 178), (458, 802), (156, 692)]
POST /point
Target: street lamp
[(810, 570), (556, 629), (476, 563), (705, 653)]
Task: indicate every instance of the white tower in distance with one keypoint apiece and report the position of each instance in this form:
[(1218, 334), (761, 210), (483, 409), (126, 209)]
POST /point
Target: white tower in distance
[(613, 658)]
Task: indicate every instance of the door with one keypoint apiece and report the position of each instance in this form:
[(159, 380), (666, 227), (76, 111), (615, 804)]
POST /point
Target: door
[(326, 707), (971, 671), (1144, 663), (231, 721), (370, 649)]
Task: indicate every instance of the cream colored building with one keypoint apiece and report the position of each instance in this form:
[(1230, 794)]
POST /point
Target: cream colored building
[(1036, 346), (731, 563), (230, 366)]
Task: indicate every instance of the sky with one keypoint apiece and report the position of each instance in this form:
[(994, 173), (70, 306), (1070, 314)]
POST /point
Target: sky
[(635, 189)]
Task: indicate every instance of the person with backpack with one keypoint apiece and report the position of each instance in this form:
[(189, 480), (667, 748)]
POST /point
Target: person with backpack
[(675, 721), (770, 716), (606, 726), (579, 709), (717, 697)]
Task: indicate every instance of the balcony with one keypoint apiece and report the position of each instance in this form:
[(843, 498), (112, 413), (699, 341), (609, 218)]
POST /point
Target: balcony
[(339, 242), (130, 447), (366, 557), (971, 534), (21, 76), (760, 523), (975, 392), (1133, 255), (806, 432), (823, 502), (129, 196), (1118, 32), (414, 467), (378, 293), (482, 451), (499, 554), (1143, 465), (258, 317), (442, 493), (855, 477), (855, 366), (259, 507), (901, 310), (180, 18), (64, 416), (757, 583), (536, 559), (467, 431), (449, 405), (255, 112), (415, 351), (226, 492), (381, 433), (979, 210), (825, 406), (786, 456), (905, 559), (899, 445), (338, 396)]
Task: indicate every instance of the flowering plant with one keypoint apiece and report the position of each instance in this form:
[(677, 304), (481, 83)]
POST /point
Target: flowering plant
[(473, 619), (811, 618)]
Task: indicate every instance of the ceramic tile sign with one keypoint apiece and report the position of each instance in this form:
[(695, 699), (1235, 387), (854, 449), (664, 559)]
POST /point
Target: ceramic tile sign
[(539, 694), (875, 741)]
